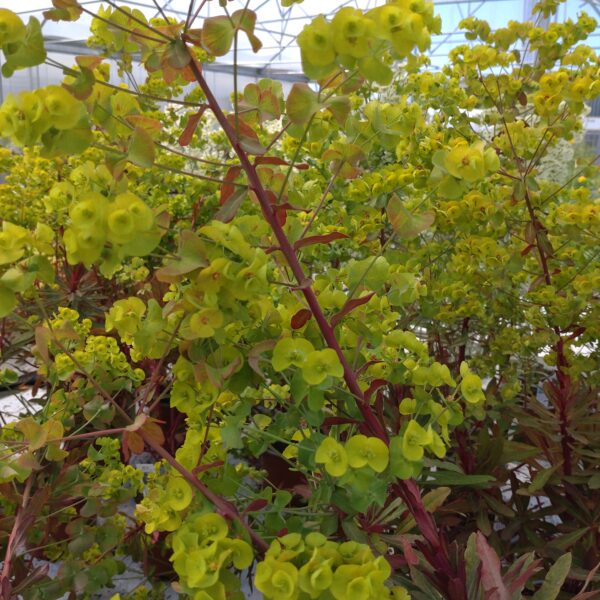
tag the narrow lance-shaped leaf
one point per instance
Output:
(554, 579)
(491, 575)
(190, 127)
(229, 209)
(349, 307)
(326, 238)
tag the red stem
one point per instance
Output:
(288, 251)
(225, 507)
(564, 380)
(408, 490)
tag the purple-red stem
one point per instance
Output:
(408, 490)
(564, 381)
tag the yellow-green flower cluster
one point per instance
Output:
(100, 353)
(358, 452)
(316, 365)
(168, 495)
(354, 39)
(312, 567)
(202, 554)
(124, 222)
(25, 118)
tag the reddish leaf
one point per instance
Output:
(527, 249)
(248, 138)
(516, 585)
(349, 307)
(154, 431)
(375, 385)
(231, 206)
(491, 576)
(256, 505)
(301, 318)
(279, 210)
(132, 443)
(326, 238)
(275, 160)
(228, 188)
(410, 555)
(190, 127)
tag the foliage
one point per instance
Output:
(355, 327)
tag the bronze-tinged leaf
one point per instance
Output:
(217, 35)
(42, 342)
(301, 318)
(349, 307)
(255, 353)
(230, 207)
(177, 55)
(132, 442)
(275, 160)
(301, 104)
(138, 422)
(153, 431)
(191, 255)
(247, 137)
(64, 10)
(141, 151)
(405, 223)
(256, 505)
(491, 574)
(325, 238)
(227, 187)
(190, 127)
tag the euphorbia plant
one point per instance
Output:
(293, 304)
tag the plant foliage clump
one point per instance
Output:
(352, 327)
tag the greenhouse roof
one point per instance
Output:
(278, 27)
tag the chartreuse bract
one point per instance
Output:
(350, 324)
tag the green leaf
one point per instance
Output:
(68, 141)
(177, 54)
(27, 53)
(8, 301)
(565, 541)
(301, 103)
(472, 565)
(554, 579)
(245, 20)
(449, 478)
(64, 10)
(190, 256)
(406, 224)
(217, 35)
(141, 150)
(542, 478)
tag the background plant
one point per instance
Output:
(355, 326)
